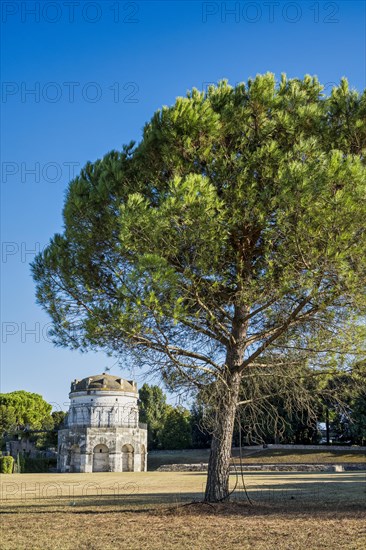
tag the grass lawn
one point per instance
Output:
(260, 456)
(150, 510)
(190, 456)
(287, 456)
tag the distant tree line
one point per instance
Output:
(168, 427)
(285, 416)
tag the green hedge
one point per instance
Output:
(6, 464)
(35, 465)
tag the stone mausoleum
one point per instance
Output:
(102, 432)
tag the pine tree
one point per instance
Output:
(231, 238)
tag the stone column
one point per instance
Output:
(86, 463)
(137, 462)
(115, 462)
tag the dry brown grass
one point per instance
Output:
(127, 530)
(148, 510)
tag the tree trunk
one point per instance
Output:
(217, 487)
(327, 425)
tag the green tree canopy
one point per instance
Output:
(232, 237)
(51, 437)
(58, 419)
(153, 411)
(176, 433)
(357, 425)
(21, 410)
(167, 427)
(343, 399)
(201, 435)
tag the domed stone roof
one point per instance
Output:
(104, 382)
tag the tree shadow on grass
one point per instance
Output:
(268, 492)
(263, 500)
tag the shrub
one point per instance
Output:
(37, 465)
(6, 464)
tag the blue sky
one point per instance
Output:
(98, 71)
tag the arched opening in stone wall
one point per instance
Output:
(75, 458)
(101, 458)
(127, 458)
(143, 458)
